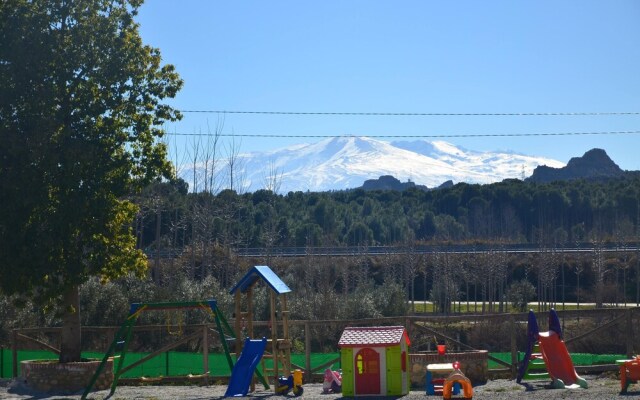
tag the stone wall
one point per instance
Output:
(51, 376)
(474, 364)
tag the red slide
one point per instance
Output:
(558, 361)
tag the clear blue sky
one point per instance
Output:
(408, 57)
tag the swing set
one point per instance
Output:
(122, 339)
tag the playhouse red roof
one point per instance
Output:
(379, 336)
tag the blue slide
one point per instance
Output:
(245, 366)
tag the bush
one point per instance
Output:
(520, 293)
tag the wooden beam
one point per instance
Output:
(39, 343)
(158, 352)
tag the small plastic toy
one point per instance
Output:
(436, 376)
(457, 378)
(629, 373)
(293, 382)
(555, 355)
(332, 382)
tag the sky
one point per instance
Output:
(405, 57)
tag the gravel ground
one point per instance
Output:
(600, 387)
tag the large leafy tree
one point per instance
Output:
(81, 110)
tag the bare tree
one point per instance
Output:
(234, 165)
(501, 272)
(444, 290)
(193, 154)
(210, 154)
(560, 237)
(411, 261)
(599, 269)
(272, 178)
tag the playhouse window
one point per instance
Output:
(366, 366)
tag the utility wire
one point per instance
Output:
(480, 135)
(408, 114)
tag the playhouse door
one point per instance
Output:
(367, 372)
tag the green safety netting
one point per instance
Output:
(166, 364)
(182, 364)
(577, 358)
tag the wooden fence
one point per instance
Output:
(610, 331)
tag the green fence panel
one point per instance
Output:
(7, 359)
(5, 363)
(218, 365)
(594, 359)
(505, 356)
(182, 364)
(581, 359)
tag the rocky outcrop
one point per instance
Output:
(595, 164)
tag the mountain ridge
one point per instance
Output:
(347, 162)
(594, 164)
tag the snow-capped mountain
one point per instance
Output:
(346, 162)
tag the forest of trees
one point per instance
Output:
(512, 211)
(202, 228)
(192, 241)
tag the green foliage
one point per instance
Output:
(558, 214)
(81, 109)
(520, 293)
(76, 139)
(391, 300)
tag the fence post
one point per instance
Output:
(205, 353)
(629, 334)
(307, 350)
(514, 347)
(166, 365)
(14, 355)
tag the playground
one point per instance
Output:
(399, 357)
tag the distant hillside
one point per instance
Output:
(388, 182)
(595, 164)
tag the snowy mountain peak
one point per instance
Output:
(347, 162)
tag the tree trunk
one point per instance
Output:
(70, 343)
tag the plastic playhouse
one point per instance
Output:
(552, 351)
(374, 361)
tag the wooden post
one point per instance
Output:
(286, 342)
(307, 349)
(205, 354)
(629, 334)
(111, 335)
(249, 319)
(14, 353)
(274, 339)
(238, 323)
(514, 347)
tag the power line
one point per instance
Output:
(480, 135)
(409, 114)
